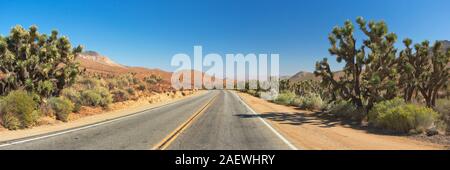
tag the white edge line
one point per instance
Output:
(267, 124)
(87, 126)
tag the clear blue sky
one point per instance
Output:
(148, 33)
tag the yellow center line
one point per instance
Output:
(174, 134)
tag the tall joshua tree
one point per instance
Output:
(425, 71)
(369, 76)
(380, 74)
(343, 46)
(39, 63)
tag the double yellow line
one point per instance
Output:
(174, 134)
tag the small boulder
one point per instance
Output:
(432, 132)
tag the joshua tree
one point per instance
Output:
(39, 63)
(425, 70)
(369, 76)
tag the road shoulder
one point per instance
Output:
(309, 132)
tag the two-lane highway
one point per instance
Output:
(228, 124)
(222, 122)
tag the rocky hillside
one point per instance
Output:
(303, 75)
(96, 57)
(95, 63)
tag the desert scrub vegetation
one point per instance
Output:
(33, 68)
(395, 89)
(153, 79)
(120, 95)
(39, 74)
(311, 101)
(39, 63)
(61, 107)
(345, 109)
(99, 96)
(74, 96)
(18, 110)
(285, 98)
(375, 72)
(443, 108)
(398, 116)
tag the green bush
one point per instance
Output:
(90, 98)
(310, 102)
(18, 110)
(90, 83)
(443, 108)
(298, 101)
(74, 96)
(122, 83)
(120, 95)
(112, 84)
(71, 94)
(395, 115)
(347, 110)
(253, 93)
(131, 91)
(62, 107)
(383, 107)
(96, 97)
(285, 98)
(153, 79)
(11, 121)
(141, 87)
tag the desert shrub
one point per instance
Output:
(347, 110)
(18, 110)
(90, 98)
(96, 97)
(106, 97)
(122, 83)
(112, 84)
(135, 80)
(285, 98)
(74, 96)
(253, 92)
(141, 87)
(383, 107)
(443, 108)
(90, 82)
(397, 116)
(62, 107)
(297, 101)
(120, 95)
(153, 79)
(11, 121)
(71, 94)
(310, 101)
(150, 81)
(131, 91)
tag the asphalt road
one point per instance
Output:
(225, 124)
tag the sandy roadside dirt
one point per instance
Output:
(306, 131)
(78, 121)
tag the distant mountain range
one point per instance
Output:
(96, 63)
